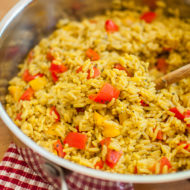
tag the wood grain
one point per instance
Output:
(173, 77)
(6, 137)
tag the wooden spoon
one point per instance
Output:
(173, 77)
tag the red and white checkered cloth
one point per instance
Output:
(15, 174)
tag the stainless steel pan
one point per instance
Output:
(26, 23)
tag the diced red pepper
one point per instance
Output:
(148, 16)
(182, 142)
(187, 145)
(164, 161)
(54, 77)
(106, 94)
(39, 75)
(53, 109)
(143, 103)
(110, 26)
(99, 164)
(79, 70)
(186, 115)
(92, 96)
(55, 69)
(135, 170)
(59, 148)
(159, 135)
(28, 77)
(162, 65)
(58, 68)
(153, 168)
(105, 141)
(93, 55)
(18, 116)
(49, 56)
(178, 115)
(96, 73)
(76, 140)
(120, 67)
(27, 95)
(113, 157)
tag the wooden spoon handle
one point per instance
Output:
(173, 77)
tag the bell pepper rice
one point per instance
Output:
(87, 94)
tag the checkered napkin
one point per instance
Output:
(15, 174)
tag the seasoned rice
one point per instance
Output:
(140, 112)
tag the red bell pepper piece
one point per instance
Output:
(18, 116)
(110, 26)
(76, 140)
(153, 168)
(99, 164)
(105, 141)
(54, 77)
(186, 115)
(59, 148)
(27, 95)
(58, 68)
(187, 145)
(143, 103)
(28, 77)
(135, 170)
(148, 16)
(120, 67)
(162, 65)
(106, 93)
(55, 69)
(159, 135)
(53, 109)
(178, 115)
(79, 69)
(113, 157)
(49, 56)
(96, 73)
(164, 161)
(93, 55)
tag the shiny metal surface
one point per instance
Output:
(20, 30)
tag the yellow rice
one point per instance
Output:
(136, 46)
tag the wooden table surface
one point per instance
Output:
(6, 137)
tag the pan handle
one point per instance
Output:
(63, 183)
(59, 173)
